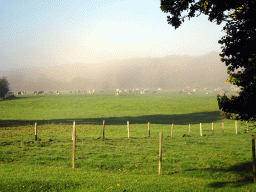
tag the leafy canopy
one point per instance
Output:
(238, 45)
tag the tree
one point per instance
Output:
(4, 87)
(238, 52)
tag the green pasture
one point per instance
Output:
(212, 162)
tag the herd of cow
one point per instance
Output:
(36, 92)
(120, 91)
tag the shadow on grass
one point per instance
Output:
(177, 119)
(243, 172)
(12, 98)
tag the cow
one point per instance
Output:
(10, 94)
(223, 92)
(146, 90)
(35, 92)
(137, 90)
(19, 93)
(40, 93)
(118, 91)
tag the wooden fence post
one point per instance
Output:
(188, 129)
(236, 126)
(74, 143)
(253, 159)
(201, 131)
(212, 129)
(103, 130)
(35, 131)
(128, 129)
(160, 153)
(148, 129)
(172, 130)
(223, 128)
(247, 128)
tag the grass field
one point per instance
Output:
(218, 162)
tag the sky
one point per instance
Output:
(54, 32)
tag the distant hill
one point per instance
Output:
(172, 72)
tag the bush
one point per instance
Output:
(4, 87)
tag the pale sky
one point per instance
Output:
(55, 32)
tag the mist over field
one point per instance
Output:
(171, 72)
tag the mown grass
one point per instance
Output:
(218, 162)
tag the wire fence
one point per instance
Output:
(111, 148)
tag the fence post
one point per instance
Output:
(212, 129)
(128, 129)
(201, 131)
(223, 128)
(236, 126)
(247, 126)
(172, 130)
(160, 153)
(74, 143)
(148, 129)
(253, 158)
(103, 130)
(35, 131)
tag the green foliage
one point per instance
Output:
(4, 87)
(238, 44)
(239, 56)
(240, 107)
(182, 9)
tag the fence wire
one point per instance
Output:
(115, 151)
